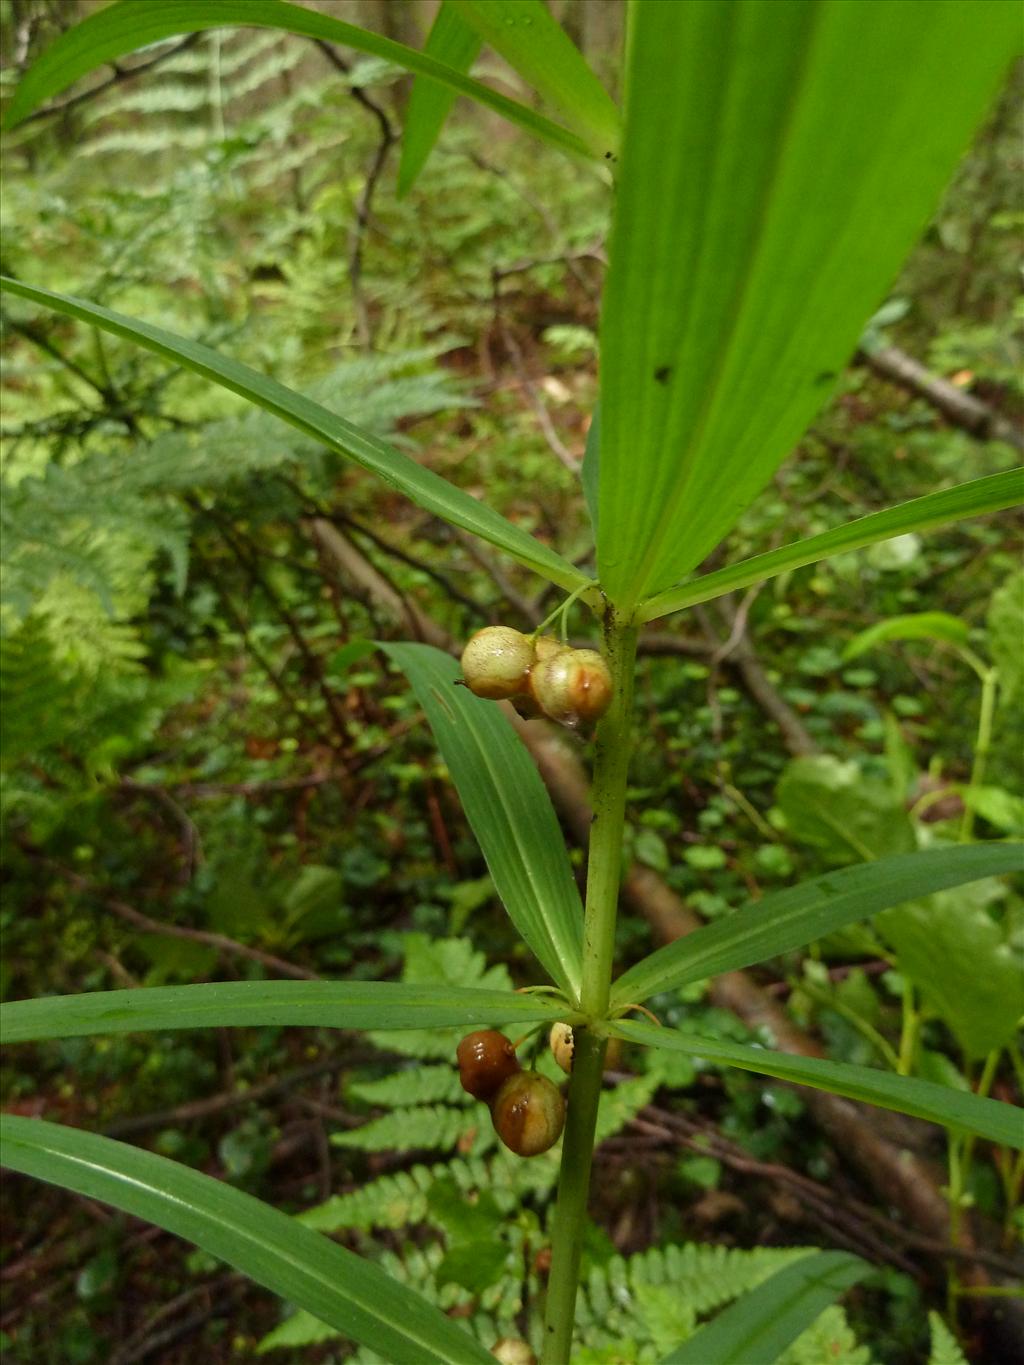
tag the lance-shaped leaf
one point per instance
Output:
(779, 159)
(974, 499)
(790, 919)
(508, 808)
(127, 26)
(453, 42)
(938, 626)
(962, 1110)
(302, 1266)
(758, 1327)
(543, 54)
(248, 1004)
(399, 471)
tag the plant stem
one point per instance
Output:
(982, 745)
(604, 871)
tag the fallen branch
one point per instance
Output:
(963, 410)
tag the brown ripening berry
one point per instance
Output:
(486, 1059)
(572, 686)
(528, 1113)
(496, 662)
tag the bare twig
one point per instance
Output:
(360, 222)
(121, 73)
(138, 920)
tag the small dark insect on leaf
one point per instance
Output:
(662, 373)
(825, 377)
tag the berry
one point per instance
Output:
(528, 1113)
(572, 686)
(486, 1059)
(496, 662)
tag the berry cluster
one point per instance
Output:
(540, 674)
(527, 1110)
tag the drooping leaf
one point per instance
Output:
(974, 499)
(758, 1327)
(246, 1004)
(1005, 623)
(275, 1250)
(399, 471)
(127, 26)
(452, 41)
(966, 966)
(939, 626)
(969, 1113)
(778, 162)
(829, 804)
(790, 919)
(543, 54)
(509, 809)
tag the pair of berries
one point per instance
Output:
(527, 1110)
(571, 686)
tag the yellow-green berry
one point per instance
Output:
(573, 686)
(496, 662)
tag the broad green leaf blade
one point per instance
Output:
(127, 26)
(453, 42)
(917, 625)
(249, 1004)
(399, 471)
(508, 808)
(779, 160)
(968, 966)
(802, 914)
(966, 1112)
(975, 499)
(275, 1250)
(543, 54)
(758, 1327)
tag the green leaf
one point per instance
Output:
(508, 808)
(353, 1295)
(831, 805)
(778, 163)
(974, 499)
(399, 471)
(244, 1004)
(543, 54)
(758, 1327)
(964, 963)
(917, 625)
(1005, 623)
(1002, 1123)
(453, 42)
(127, 26)
(789, 919)
(945, 1348)
(1003, 809)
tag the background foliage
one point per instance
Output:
(200, 782)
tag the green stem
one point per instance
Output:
(604, 870)
(983, 743)
(909, 1031)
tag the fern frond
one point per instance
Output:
(945, 1347)
(429, 1126)
(829, 1339)
(419, 1085)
